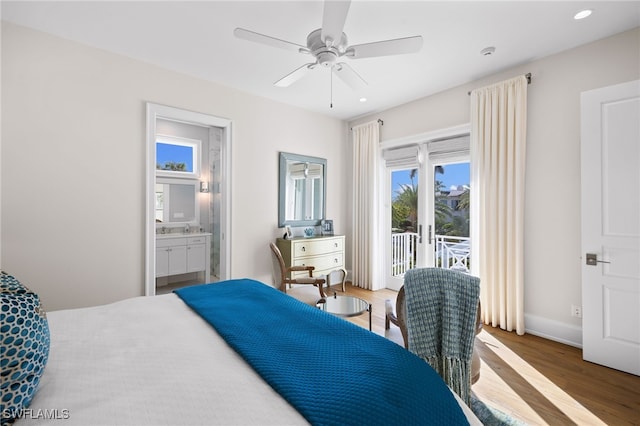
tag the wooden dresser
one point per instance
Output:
(326, 254)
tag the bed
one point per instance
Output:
(156, 361)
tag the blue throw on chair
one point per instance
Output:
(441, 320)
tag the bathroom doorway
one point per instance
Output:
(201, 145)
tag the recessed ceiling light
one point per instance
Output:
(583, 14)
(488, 51)
(363, 99)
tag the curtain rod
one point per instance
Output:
(380, 122)
(527, 76)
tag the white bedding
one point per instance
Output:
(150, 361)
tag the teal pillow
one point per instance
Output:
(24, 346)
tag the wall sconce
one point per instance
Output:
(204, 186)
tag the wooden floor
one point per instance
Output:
(535, 380)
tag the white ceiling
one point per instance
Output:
(196, 38)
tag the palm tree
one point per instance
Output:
(463, 203)
(441, 210)
(173, 166)
(406, 202)
(405, 205)
(404, 209)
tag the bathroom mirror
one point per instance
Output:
(176, 202)
(302, 190)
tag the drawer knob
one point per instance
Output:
(303, 248)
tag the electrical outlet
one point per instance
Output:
(576, 311)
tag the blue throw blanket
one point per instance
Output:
(332, 371)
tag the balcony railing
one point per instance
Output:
(403, 252)
(450, 252)
(453, 252)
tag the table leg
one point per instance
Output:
(370, 309)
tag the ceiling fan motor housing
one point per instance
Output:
(326, 53)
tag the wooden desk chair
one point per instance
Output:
(283, 283)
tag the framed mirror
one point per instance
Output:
(176, 202)
(302, 190)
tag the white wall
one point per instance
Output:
(73, 166)
(552, 218)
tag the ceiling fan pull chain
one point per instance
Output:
(331, 87)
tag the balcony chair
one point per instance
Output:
(290, 286)
(448, 297)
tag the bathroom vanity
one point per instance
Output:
(178, 253)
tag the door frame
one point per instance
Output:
(420, 139)
(155, 111)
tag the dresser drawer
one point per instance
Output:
(335, 260)
(317, 247)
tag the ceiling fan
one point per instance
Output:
(328, 45)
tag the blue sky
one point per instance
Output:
(454, 174)
(179, 153)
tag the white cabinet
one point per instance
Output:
(182, 254)
(326, 254)
(196, 254)
(162, 262)
(177, 260)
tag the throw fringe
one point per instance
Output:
(455, 372)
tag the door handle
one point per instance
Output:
(419, 234)
(592, 259)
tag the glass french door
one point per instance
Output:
(406, 204)
(449, 206)
(427, 216)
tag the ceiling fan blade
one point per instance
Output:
(397, 46)
(349, 76)
(333, 19)
(294, 76)
(270, 41)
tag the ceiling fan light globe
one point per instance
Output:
(327, 59)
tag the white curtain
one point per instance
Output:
(367, 243)
(498, 139)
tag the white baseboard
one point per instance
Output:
(557, 331)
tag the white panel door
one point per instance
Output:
(610, 150)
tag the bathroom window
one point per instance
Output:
(177, 157)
